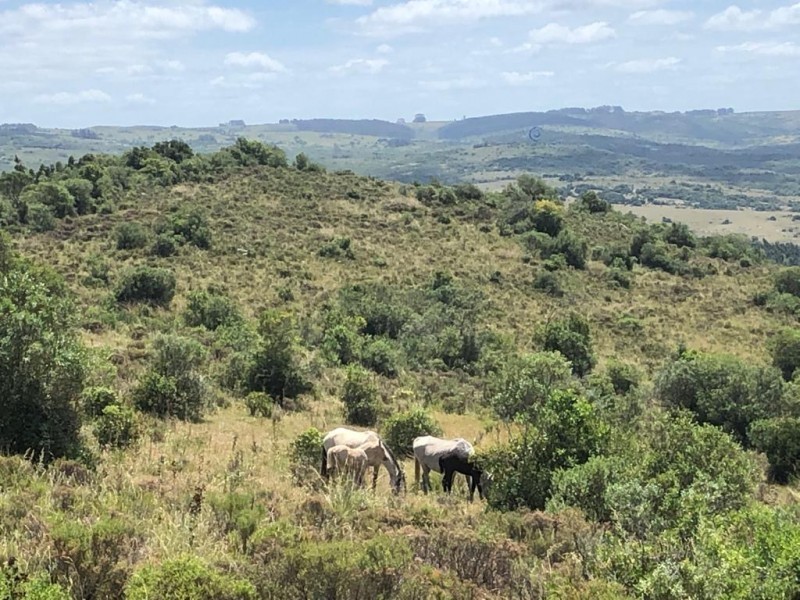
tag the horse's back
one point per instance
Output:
(348, 437)
(428, 450)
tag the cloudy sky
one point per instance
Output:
(192, 63)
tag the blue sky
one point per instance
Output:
(194, 63)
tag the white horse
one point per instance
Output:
(348, 461)
(446, 457)
(377, 453)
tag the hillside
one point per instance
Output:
(734, 153)
(295, 288)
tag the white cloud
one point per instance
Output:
(734, 18)
(413, 15)
(660, 17)
(370, 66)
(554, 33)
(139, 98)
(786, 15)
(648, 65)
(763, 48)
(384, 49)
(446, 85)
(254, 60)
(516, 78)
(66, 98)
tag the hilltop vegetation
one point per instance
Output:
(178, 328)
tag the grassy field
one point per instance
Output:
(225, 489)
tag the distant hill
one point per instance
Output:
(372, 127)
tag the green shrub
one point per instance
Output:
(147, 284)
(259, 403)
(624, 377)
(656, 256)
(547, 217)
(721, 390)
(131, 236)
(562, 431)
(360, 397)
(381, 356)
(305, 454)
(549, 283)
(341, 341)
(785, 348)
(572, 338)
(276, 368)
(42, 363)
(165, 245)
(584, 486)
(592, 203)
(40, 217)
(779, 439)
(787, 281)
(523, 384)
(191, 225)
(400, 429)
(95, 399)
(186, 578)
(338, 248)
(15, 585)
(680, 235)
(173, 385)
(93, 559)
(117, 427)
(210, 309)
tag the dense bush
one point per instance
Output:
(305, 454)
(779, 439)
(95, 399)
(400, 429)
(147, 284)
(624, 377)
(42, 363)
(360, 397)
(787, 281)
(561, 432)
(117, 427)
(173, 385)
(785, 347)
(259, 403)
(186, 578)
(211, 309)
(680, 235)
(276, 368)
(190, 225)
(572, 338)
(549, 283)
(523, 384)
(381, 356)
(721, 390)
(592, 203)
(131, 236)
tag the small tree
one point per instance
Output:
(572, 338)
(400, 429)
(360, 397)
(592, 203)
(787, 281)
(41, 361)
(275, 368)
(786, 352)
(146, 284)
(779, 439)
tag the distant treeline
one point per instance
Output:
(783, 253)
(373, 127)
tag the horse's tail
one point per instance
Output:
(324, 468)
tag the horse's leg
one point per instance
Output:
(375, 478)
(324, 468)
(416, 473)
(426, 479)
(473, 483)
(447, 480)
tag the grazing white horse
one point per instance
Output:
(349, 461)
(377, 453)
(446, 457)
